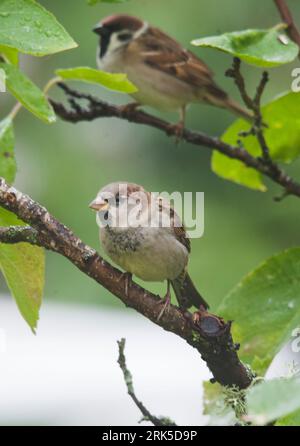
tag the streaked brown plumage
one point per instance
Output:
(168, 76)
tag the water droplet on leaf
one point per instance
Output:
(283, 39)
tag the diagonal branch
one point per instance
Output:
(287, 17)
(97, 108)
(209, 334)
(147, 416)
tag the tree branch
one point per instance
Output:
(287, 17)
(147, 416)
(209, 334)
(97, 108)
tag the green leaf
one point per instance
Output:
(270, 400)
(10, 54)
(28, 27)
(267, 48)
(23, 267)
(290, 420)
(282, 136)
(8, 165)
(94, 2)
(265, 308)
(28, 93)
(236, 171)
(116, 82)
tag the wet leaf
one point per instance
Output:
(23, 267)
(266, 48)
(265, 308)
(270, 400)
(28, 27)
(30, 96)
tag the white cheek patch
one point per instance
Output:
(107, 61)
(114, 43)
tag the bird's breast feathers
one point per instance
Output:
(152, 254)
(157, 87)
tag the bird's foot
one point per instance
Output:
(166, 301)
(130, 108)
(176, 130)
(128, 281)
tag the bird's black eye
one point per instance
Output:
(124, 36)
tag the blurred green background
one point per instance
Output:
(64, 165)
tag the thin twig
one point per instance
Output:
(209, 334)
(235, 73)
(147, 416)
(97, 108)
(260, 89)
(255, 106)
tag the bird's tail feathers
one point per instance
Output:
(187, 294)
(216, 96)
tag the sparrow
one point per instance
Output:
(143, 235)
(168, 77)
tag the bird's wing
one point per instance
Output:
(176, 223)
(181, 236)
(163, 53)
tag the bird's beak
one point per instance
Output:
(98, 29)
(99, 205)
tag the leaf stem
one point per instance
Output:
(55, 80)
(15, 110)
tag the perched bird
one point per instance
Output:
(168, 76)
(142, 234)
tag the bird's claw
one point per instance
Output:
(176, 130)
(166, 301)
